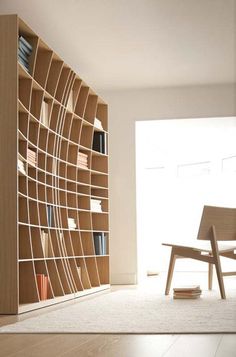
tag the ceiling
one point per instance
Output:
(119, 44)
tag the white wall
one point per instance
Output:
(125, 107)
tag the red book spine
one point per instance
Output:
(40, 282)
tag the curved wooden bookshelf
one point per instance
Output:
(54, 211)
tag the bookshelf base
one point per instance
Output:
(49, 302)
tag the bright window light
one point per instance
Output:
(181, 165)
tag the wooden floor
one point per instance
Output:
(104, 345)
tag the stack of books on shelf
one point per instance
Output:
(42, 281)
(21, 166)
(98, 124)
(47, 249)
(71, 223)
(82, 160)
(96, 205)
(99, 142)
(187, 292)
(100, 243)
(31, 157)
(50, 216)
(24, 52)
(44, 113)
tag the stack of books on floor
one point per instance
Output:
(98, 124)
(24, 52)
(82, 160)
(42, 281)
(187, 292)
(71, 223)
(100, 243)
(99, 142)
(44, 113)
(21, 166)
(31, 157)
(96, 205)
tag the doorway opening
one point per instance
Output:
(181, 165)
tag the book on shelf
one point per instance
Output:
(62, 244)
(99, 142)
(187, 292)
(71, 223)
(24, 52)
(42, 282)
(44, 117)
(100, 243)
(70, 104)
(50, 216)
(82, 160)
(47, 248)
(98, 123)
(21, 166)
(31, 157)
(96, 205)
(79, 271)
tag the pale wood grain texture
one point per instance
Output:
(8, 165)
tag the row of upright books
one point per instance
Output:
(47, 248)
(24, 52)
(50, 216)
(99, 142)
(187, 292)
(42, 282)
(100, 243)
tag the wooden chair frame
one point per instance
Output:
(217, 223)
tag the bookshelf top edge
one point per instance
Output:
(25, 29)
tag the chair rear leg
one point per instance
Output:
(170, 271)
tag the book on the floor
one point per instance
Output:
(187, 292)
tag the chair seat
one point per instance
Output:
(204, 246)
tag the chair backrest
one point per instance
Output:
(224, 220)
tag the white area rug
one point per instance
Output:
(136, 311)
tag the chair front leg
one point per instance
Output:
(170, 271)
(216, 256)
(210, 275)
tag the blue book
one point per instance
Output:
(24, 64)
(23, 55)
(25, 45)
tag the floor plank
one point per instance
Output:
(53, 345)
(227, 347)
(125, 346)
(194, 346)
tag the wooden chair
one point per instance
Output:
(217, 224)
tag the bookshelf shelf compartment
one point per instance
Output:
(49, 117)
